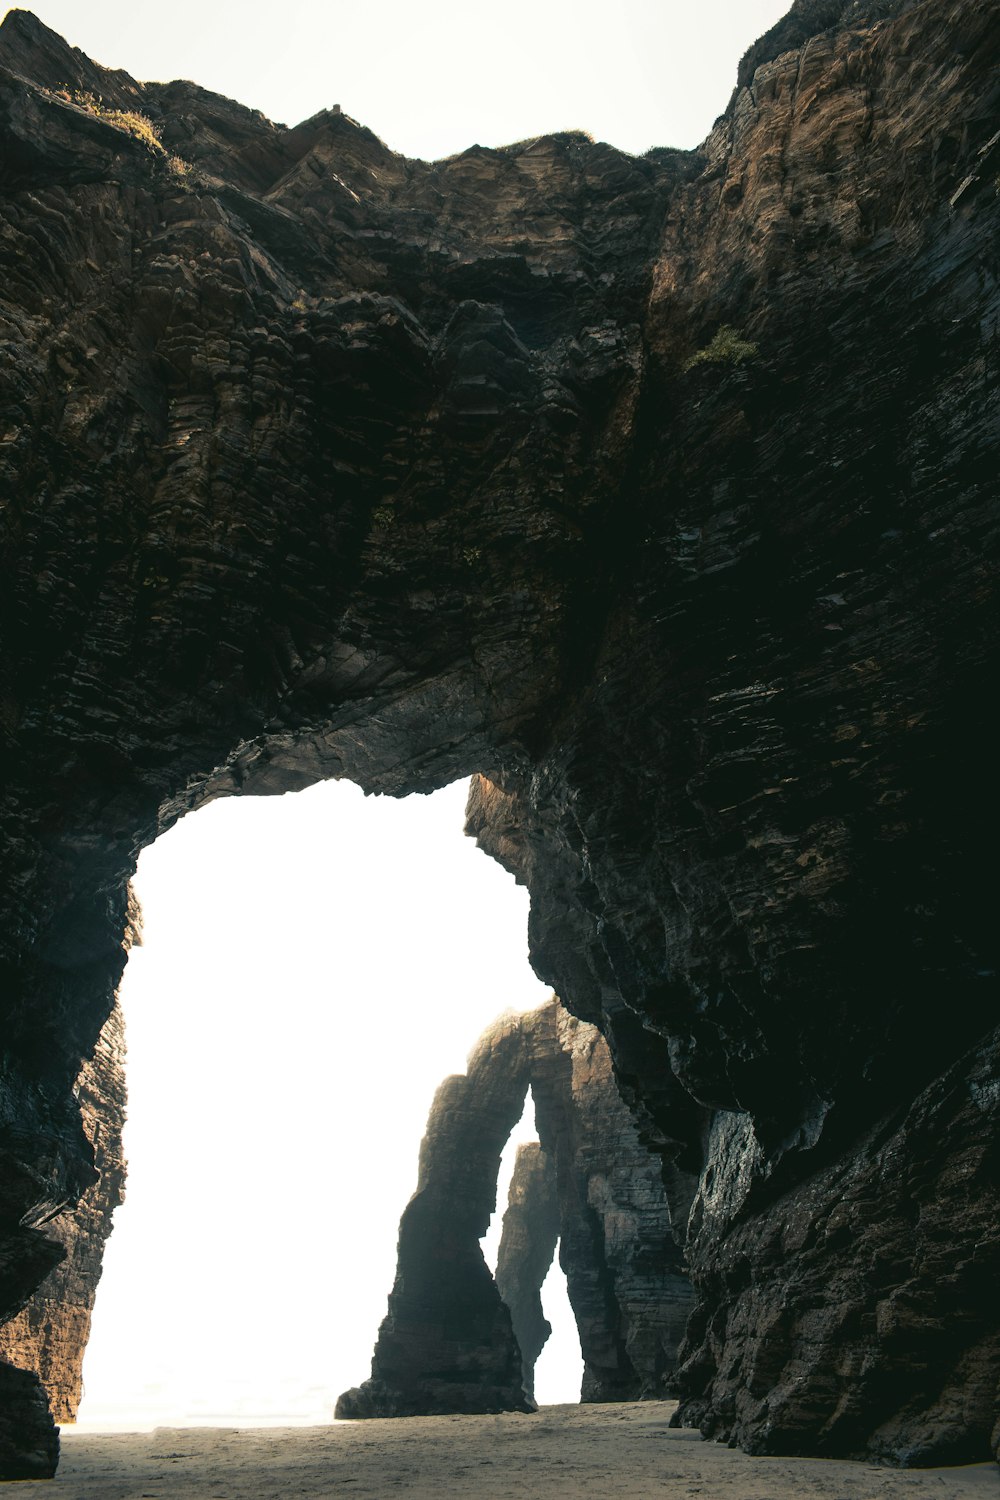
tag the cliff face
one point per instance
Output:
(618, 1244)
(316, 461)
(49, 1335)
(855, 1312)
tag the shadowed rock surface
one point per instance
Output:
(620, 1245)
(49, 1336)
(29, 1439)
(316, 461)
(446, 1343)
(447, 1332)
(527, 1246)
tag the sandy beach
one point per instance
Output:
(626, 1452)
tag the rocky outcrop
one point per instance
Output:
(29, 1439)
(527, 1246)
(448, 1341)
(659, 493)
(854, 1274)
(49, 1335)
(620, 1247)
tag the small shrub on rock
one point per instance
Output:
(726, 348)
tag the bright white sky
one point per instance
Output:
(435, 77)
(315, 965)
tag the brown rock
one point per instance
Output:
(851, 1275)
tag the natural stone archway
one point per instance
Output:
(446, 1343)
(315, 461)
(452, 1336)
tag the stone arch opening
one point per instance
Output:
(372, 986)
(456, 1339)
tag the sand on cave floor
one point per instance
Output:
(616, 1452)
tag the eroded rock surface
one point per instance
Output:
(315, 461)
(29, 1439)
(854, 1276)
(620, 1246)
(49, 1335)
(527, 1246)
(450, 1338)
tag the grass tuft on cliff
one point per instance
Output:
(728, 347)
(132, 123)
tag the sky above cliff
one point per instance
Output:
(434, 78)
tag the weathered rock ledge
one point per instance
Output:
(315, 461)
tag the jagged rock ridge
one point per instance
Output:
(454, 1339)
(315, 461)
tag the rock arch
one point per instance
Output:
(319, 462)
(451, 1339)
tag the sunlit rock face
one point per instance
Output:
(453, 1340)
(315, 461)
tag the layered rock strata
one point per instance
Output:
(619, 1245)
(527, 1246)
(661, 493)
(451, 1335)
(49, 1335)
(853, 1276)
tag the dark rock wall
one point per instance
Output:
(29, 1439)
(49, 1335)
(780, 828)
(527, 1246)
(855, 1277)
(616, 1190)
(315, 461)
(447, 1342)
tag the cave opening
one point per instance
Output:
(313, 965)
